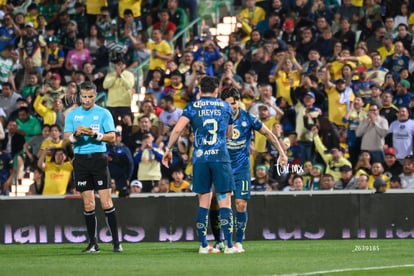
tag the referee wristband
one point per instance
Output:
(99, 136)
(72, 138)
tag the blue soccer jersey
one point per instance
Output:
(239, 145)
(210, 118)
(97, 118)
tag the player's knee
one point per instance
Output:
(241, 205)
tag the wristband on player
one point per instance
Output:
(98, 136)
(72, 138)
(167, 149)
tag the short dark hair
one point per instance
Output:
(168, 98)
(209, 84)
(128, 12)
(230, 92)
(88, 85)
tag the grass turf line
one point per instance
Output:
(181, 258)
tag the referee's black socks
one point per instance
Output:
(112, 223)
(91, 225)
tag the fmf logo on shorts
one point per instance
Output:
(81, 183)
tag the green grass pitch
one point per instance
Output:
(322, 257)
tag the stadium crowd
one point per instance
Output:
(333, 81)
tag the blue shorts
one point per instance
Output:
(242, 181)
(204, 174)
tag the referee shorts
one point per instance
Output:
(90, 172)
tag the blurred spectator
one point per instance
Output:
(163, 186)
(402, 96)
(7, 65)
(32, 45)
(251, 15)
(377, 172)
(120, 163)
(148, 158)
(340, 98)
(5, 171)
(307, 118)
(28, 125)
(161, 52)
(362, 182)
(77, 57)
(13, 141)
(135, 186)
(355, 115)
(397, 60)
(106, 26)
(333, 158)
(313, 184)
(9, 31)
(168, 118)
(402, 134)
(377, 72)
(32, 147)
(166, 27)
(327, 182)
(56, 183)
(91, 40)
(388, 110)
(81, 19)
(380, 186)
(373, 130)
(52, 142)
(51, 115)
(295, 184)
(347, 180)
(176, 90)
(364, 162)
(392, 167)
(128, 27)
(407, 176)
(178, 184)
(36, 188)
(262, 181)
(395, 182)
(119, 84)
(207, 52)
(404, 36)
(8, 99)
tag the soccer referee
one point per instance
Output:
(89, 127)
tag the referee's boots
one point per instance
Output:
(117, 248)
(92, 248)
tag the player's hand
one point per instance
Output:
(166, 159)
(282, 160)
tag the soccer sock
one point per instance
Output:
(202, 223)
(241, 222)
(110, 217)
(226, 221)
(90, 220)
(215, 224)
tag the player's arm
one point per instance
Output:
(230, 132)
(175, 134)
(275, 142)
(41, 162)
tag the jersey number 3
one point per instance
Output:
(212, 130)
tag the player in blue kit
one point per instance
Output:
(89, 127)
(212, 121)
(239, 149)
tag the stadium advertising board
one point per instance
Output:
(171, 218)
